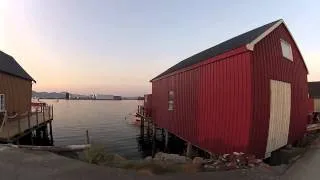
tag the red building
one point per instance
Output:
(147, 104)
(247, 94)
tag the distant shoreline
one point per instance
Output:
(91, 99)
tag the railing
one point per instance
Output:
(25, 121)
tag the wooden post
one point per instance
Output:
(166, 140)
(31, 137)
(51, 136)
(52, 112)
(142, 127)
(49, 109)
(29, 125)
(189, 150)
(154, 140)
(37, 118)
(43, 116)
(87, 137)
(148, 127)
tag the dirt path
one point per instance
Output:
(307, 167)
(21, 164)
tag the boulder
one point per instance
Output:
(198, 160)
(174, 158)
(148, 158)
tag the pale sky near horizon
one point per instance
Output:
(116, 47)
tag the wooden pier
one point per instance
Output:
(30, 124)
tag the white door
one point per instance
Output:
(280, 109)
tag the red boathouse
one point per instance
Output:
(247, 94)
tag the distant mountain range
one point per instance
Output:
(62, 95)
(49, 95)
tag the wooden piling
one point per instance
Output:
(142, 127)
(52, 112)
(49, 111)
(87, 137)
(37, 118)
(166, 140)
(51, 136)
(154, 140)
(189, 150)
(31, 137)
(43, 115)
(148, 127)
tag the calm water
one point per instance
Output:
(105, 120)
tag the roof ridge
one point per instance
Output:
(235, 42)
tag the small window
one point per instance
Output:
(2, 102)
(171, 101)
(286, 50)
(146, 99)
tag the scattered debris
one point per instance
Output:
(232, 161)
(222, 162)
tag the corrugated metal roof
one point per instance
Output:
(314, 89)
(221, 48)
(10, 66)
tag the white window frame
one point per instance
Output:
(171, 100)
(2, 102)
(286, 50)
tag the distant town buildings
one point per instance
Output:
(68, 95)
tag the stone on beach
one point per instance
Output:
(174, 158)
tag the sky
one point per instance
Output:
(116, 47)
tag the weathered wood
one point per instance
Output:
(166, 141)
(142, 127)
(31, 137)
(154, 140)
(37, 118)
(43, 116)
(27, 123)
(87, 137)
(67, 148)
(51, 136)
(49, 111)
(189, 150)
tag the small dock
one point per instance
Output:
(32, 124)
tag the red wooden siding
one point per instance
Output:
(212, 103)
(268, 63)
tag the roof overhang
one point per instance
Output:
(251, 45)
